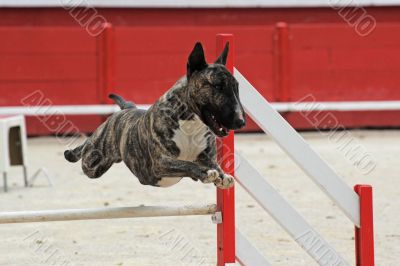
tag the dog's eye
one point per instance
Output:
(218, 87)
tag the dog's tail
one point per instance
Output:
(121, 102)
(74, 155)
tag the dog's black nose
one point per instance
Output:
(239, 123)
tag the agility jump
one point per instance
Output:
(104, 213)
(232, 246)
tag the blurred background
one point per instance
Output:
(334, 50)
(300, 55)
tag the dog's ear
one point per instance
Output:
(223, 56)
(196, 60)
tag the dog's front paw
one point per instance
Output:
(212, 176)
(226, 182)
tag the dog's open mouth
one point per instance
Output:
(212, 122)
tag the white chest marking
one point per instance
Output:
(191, 140)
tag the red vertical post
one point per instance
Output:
(364, 235)
(226, 158)
(282, 62)
(106, 62)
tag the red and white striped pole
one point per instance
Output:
(226, 158)
(364, 235)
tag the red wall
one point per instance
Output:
(47, 50)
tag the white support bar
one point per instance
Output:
(337, 106)
(105, 109)
(103, 213)
(101, 109)
(284, 214)
(294, 145)
(246, 253)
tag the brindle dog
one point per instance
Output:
(175, 137)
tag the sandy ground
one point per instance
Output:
(191, 240)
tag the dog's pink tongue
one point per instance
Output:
(223, 130)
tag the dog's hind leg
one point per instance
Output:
(97, 170)
(94, 162)
(74, 155)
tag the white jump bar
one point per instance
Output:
(294, 145)
(104, 213)
(106, 109)
(246, 253)
(284, 214)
